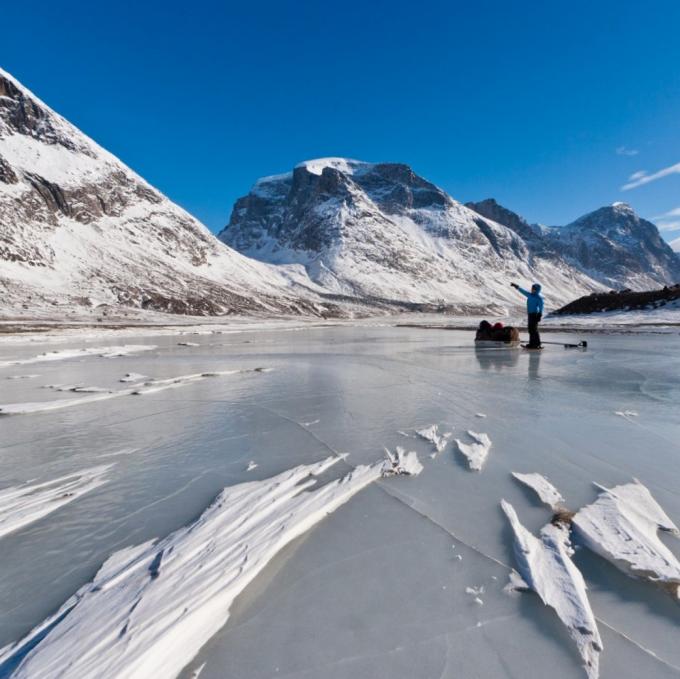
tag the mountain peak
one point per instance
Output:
(492, 209)
(79, 228)
(344, 165)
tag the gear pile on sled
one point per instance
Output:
(496, 333)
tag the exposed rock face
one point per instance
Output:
(613, 245)
(624, 300)
(79, 227)
(619, 248)
(380, 230)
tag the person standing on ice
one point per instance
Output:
(534, 312)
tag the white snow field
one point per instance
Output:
(405, 579)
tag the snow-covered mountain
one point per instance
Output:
(613, 245)
(78, 227)
(378, 230)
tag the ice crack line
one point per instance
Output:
(394, 495)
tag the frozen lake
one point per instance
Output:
(406, 579)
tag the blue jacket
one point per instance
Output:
(534, 301)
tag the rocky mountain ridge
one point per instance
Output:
(378, 229)
(79, 228)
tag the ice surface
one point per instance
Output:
(375, 590)
(150, 608)
(475, 452)
(22, 505)
(547, 568)
(621, 526)
(547, 493)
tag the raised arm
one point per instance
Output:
(526, 293)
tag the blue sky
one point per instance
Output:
(548, 107)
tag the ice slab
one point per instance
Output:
(150, 387)
(621, 526)
(477, 451)
(547, 493)
(77, 388)
(402, 462)
(431, 434)
(64, 354)
(626, 414)
(546, 567)
(22, 505)
(133, 377)
(151, 607)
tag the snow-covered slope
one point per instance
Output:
(79, 227)
(613, 245)
(381, 231)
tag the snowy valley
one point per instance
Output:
(83, 236)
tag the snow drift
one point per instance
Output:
(151, 607)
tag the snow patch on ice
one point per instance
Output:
(547, 568)
(150, 608)
(21, 377)
(477, 451)
(547, 493)
(621, 526)
(22, 505)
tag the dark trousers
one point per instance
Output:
(534, 337)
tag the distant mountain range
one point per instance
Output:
(79, 229)
(380, 230)
(612, 245)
